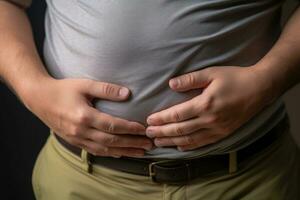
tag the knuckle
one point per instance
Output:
(179, 130)
(75, 130)
(214, 119)
(189, 139)
(190, 78)
(109, 140)
(175, 116)
(109, 127)
(82, 116)
(205, 106)
(108, 89)
(207, 103)
(112, 140)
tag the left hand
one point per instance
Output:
(231, 96)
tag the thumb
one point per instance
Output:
(192, 80)
(107, 91)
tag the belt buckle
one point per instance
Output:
(151, 171)
(151, 168)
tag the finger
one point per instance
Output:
(208, 140)
(193, 80)
(110, 124)
(201, 137)
(109, 140)
(107, 91)
(177, 113)
(75, 141)
(100, 150)
(177, 129)
(202, 141)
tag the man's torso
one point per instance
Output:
(142, 44)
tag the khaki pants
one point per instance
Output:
(273, 174)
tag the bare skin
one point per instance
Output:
(64, 105)
(231, 95)
(227, 101)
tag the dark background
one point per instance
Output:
(23, 134)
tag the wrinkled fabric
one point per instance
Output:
(142, 44)
(272, 174)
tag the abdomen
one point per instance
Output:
(142, 44)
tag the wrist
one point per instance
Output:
(31, 87)
(271, 82)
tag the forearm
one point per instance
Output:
(281, 66)
(20, 65)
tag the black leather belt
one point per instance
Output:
(184, 170)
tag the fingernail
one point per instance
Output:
(123, 92)
(150, 132)
(149, 120)
(174, 83)
(158, 143)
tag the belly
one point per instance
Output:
(142, 44)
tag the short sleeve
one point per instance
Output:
(21, 3)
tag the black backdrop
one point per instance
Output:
(22, 134)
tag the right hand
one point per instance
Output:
(64, 105)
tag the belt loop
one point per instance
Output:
(233, 162)
(85, 157)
